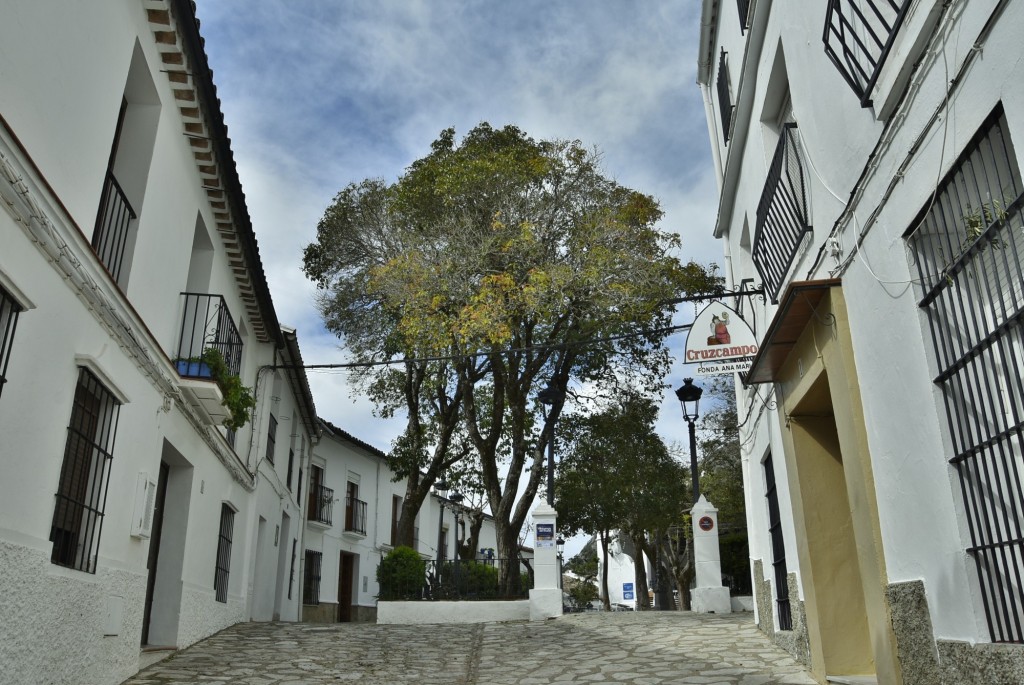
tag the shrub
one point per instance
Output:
(401, 574)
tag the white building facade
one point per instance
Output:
(869, 159)
(354, 502)
(129, 515)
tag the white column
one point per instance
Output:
(710, 596)
(546, 595)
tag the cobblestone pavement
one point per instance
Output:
(649, 648)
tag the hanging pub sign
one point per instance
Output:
(720, 341)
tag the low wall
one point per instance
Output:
(452, 612)
(742, 603)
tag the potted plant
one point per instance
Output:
(238, 398)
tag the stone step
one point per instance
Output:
(852, 679)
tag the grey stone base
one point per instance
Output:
(325, 612)
(962, 663)
(925, 660)
(364, 614)
(795, 641)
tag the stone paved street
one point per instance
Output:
(637, 648)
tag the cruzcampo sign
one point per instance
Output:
(720, 341)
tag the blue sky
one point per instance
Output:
(321, 93)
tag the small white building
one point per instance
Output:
(869, 159)
(129, 516)
(353, 504)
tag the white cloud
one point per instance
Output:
(321, 94)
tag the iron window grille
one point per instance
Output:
(744, 9)
(858, 37)
(220, 579)
(396, 513)
(291, 466)
(311, 586)
(291, 569)
(9, 310)
(968, 244)
(782, 215)
(778, 548)
(298, 490)
(725, 105)
(271, 438)
(355, 515)
(85, 475)
(206, 323)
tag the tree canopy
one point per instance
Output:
(520, 263)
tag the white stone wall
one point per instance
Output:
(923, 531)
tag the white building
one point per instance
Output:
(128, 515)
(871, 186)
(353, 507)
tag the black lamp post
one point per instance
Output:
(441, 488)
(456, 498)
(560, 545)
(689, 397)
(550, 396)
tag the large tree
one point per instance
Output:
(522, 264)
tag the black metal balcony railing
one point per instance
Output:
(782, 217)
(355, 515)
(321, 503)
(725, 105)
(114, 224)
(858, 37)
(206, 323)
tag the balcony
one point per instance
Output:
(355, 516)
(206, 328)
(858, 37)
(321, 502)
(782, 217)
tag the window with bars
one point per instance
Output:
(85, 475)
(778, 548)
(9, 310)
(291, 569)
(858, 37)
(311, 586)
(271, 438)
(396, 513)
(220, 578)
(291, 466)
(968, 246)
(744, 8)
(783, 218)
(725, 106)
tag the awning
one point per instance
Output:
(796, 309)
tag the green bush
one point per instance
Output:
(401, 575)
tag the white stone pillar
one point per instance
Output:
(546, 595)
(709, 596)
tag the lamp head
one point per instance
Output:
(689, 397)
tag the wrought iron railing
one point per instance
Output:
(114, 225)
(858, 37)
(725, 105)
(968, 247)
(321, 504)
(782, 216)
(464, 579)
(206, 324)
(355, 515)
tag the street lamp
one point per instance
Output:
(560, 545)
(441, 488)
(549, 397)
(689, 398)
(456, 499)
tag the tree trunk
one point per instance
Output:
(643, 599)
(604, 571)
